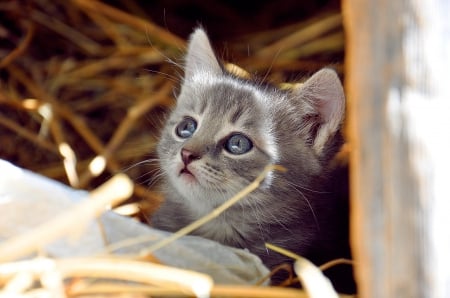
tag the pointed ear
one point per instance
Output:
(200, 56)
(324, 101)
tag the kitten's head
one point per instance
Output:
(224, 130)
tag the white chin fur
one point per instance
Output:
(193, 189)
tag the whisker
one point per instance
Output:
(298, 185)
(155, 178)
(295, 187)
(149, 173)
(271, 66)
(172, 78)
(146, 161)
(167, 58)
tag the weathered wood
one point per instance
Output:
(398, 87)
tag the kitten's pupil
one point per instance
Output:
(186, 128)
(238, 144)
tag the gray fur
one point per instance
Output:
(297, 129)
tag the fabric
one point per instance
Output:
(28, 200)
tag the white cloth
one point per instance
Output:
(28, 199)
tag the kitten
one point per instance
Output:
(224, 130)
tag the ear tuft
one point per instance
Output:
(324, 97)
(200, 56)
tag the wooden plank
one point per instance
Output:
(398, 89)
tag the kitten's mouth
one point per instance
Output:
(185, 171)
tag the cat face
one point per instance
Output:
(217, 140)
(224, 130)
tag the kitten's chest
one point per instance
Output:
(226, 229)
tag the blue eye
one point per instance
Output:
(186, 128)
(238, 144)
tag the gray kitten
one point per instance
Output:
(222, 133)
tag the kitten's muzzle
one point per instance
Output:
(188, 156)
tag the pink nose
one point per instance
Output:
(188, 156)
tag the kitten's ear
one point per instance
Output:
(200, 56)
(325, 105)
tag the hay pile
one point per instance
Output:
(84, 85)
(82, 79)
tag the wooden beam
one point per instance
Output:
(398, 89)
